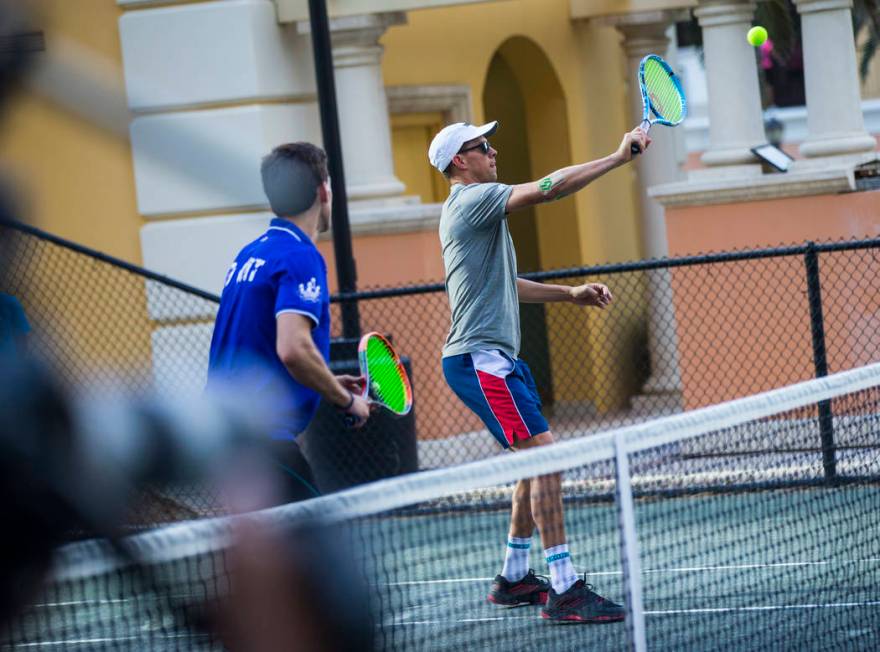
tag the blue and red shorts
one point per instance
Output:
(500, 390)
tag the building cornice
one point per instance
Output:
(587, 9)
(453, 100)
(389, 220)
(290, 11)
(806, 178)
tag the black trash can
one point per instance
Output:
(341, 457)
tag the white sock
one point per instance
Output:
(562, 573)
(516, 561)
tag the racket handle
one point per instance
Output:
(635, 149)
(349, 421)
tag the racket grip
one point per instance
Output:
(635, 149)
(348, 420)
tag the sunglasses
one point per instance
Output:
(484, 147)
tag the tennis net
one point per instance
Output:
(707, 548)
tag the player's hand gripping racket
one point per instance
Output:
(386, 381)
(662, 96)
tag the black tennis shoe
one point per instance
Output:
(581, 605)
(531, 589)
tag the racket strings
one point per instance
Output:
(387, 380)
(665, 97)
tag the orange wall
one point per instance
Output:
(723, 227)
(754, 315)
(380, 258)
(418, 323)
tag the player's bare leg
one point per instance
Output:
(545, 499)
(517, 584)
(571, 599)
(522, 525)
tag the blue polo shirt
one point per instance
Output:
(281, 271)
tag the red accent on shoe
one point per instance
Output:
(577, 619)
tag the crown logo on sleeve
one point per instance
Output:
(311, 291)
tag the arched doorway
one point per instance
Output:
(523, 93)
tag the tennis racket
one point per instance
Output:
(386, 381)
(662, 96)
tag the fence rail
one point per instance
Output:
(682, 333)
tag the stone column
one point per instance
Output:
(834, 113)
(735, 118)
(646, 33)
(363, 107)
(212, 88)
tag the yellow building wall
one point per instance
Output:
(456, 46)
(571, 76)
(75, 179)
(870, 85)
(411, 133)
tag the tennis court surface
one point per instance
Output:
(751, 525)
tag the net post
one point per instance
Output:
(820, 361)
(629, 549)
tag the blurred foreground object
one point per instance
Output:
(74, 466)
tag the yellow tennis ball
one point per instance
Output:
(756, 36)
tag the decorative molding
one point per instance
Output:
(808, 178)
(382, 220)
(409, 225)
(209, 160)
(649, 20)
(141, 3)
(147, 4)
(173, 59)
(813, 6)
(290, 11)
(587, 9)
(167, 248)
(453, 100)
(726, 12)
(355, 39)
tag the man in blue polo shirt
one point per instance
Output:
(273, 327)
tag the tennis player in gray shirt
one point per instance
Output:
(481, 356)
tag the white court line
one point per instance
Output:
(92, 641)
(74, 603)
(771, 607)
(102, 601)
(469, 580)
(780, 607)
(682, 569)
(785, 564)
(835, 605)
(666, 612)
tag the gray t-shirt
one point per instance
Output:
(480, 264)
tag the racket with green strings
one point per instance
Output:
(663, 99)
(386, 381)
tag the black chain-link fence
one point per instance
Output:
(110, 328)
(681, 333)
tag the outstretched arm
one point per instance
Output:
(589, 294)
(567, 181)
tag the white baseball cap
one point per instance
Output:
(449, 140)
